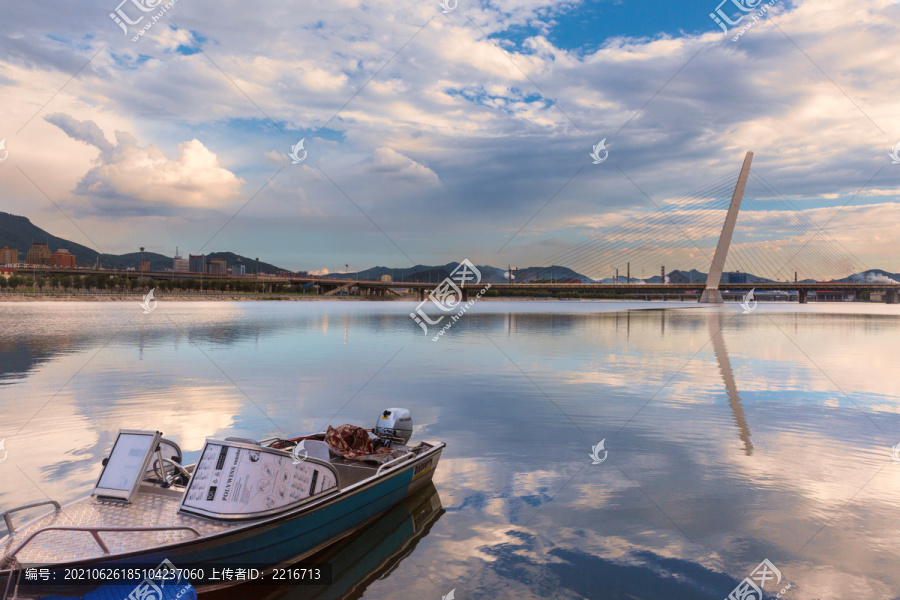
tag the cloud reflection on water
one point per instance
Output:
(749, 448)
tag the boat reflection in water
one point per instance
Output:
(357, 560)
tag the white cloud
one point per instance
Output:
(391, 162)
(132, 179)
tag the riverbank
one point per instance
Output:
(62, 297)
(214, 297)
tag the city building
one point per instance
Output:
(385, 277)
(197, 263)
(180, 265)
(62, 258)
(144, 266)
(238, 268)
(8, 256)
(217, 266)
(736, 277)
(38, 255)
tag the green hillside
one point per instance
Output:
(19, 232)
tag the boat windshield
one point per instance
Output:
(124, 469)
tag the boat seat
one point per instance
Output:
(315, 449)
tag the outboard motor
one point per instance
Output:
(395, 423)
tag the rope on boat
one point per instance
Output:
(16, 573)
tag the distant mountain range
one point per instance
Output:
(489, 274)
(695, 276)
(18, 232)
(872, 276)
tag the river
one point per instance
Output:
(727, 438)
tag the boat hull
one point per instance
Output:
(287, 538)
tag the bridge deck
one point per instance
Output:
(503, 287)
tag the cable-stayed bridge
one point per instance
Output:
(737, 223)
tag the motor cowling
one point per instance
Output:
(395, 423)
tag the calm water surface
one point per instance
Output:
(731, 438)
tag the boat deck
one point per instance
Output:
(150, 510)
(91, 528)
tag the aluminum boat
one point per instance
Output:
(269, 503)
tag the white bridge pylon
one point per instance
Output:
(712, 295)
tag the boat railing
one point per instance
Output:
(6, 515)
(95, 533)
(391, 463)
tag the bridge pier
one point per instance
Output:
(802, 296)
(710, 296)
(420, 294)
(465, 295)
(892, 297)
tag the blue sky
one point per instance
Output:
(587, 26)
(427, 143)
